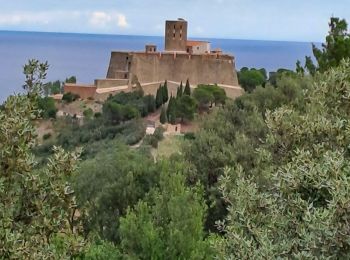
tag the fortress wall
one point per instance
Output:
(84, 91)
(199, 69)
(152, 88)
(233, 92)
(118, 62)
(110, 83)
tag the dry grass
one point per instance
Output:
(170, 145)
(43, 127)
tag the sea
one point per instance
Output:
(86, 56)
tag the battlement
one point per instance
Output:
(175, 55)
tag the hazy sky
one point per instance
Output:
(296, 20)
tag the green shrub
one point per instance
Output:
(47, 107)
(97, 114)
(151, 140)
(88, 113)
(70, 97)
(158, 133)
(190, 136)
(47, 136)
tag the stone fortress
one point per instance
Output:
(181, 59)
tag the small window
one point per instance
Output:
(174, 36)
(127, 58)
(197, 48)
(180, 36)
(174, 26)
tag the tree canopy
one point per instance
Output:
(302, 212)
(249, 79)
(37, 206)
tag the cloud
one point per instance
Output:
(37, 18)
(104, 20)
(199, 29)
(122, 21)
(25, 18)
(85, 20)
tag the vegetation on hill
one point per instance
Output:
(37, 207)
(249, 79)
(107, 189)
(267, 176)
(47, 107)
(335, 48)
(296, 205)
(56, 87)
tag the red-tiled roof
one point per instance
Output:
(195, 43)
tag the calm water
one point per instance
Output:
(87, 56)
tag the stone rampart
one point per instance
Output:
(84, 91)
(155, 67)
(110, 83)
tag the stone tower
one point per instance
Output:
(176, 35)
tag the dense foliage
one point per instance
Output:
(335, 48)
(168, 223)
(207, 95)
(265, 177)
(47, 107)
(94, 135)
(106, 190)
(303, 211)
(162, 95)
(37, 207)
(249, 79)
(126, 106)
(231, 135)
(70, 97)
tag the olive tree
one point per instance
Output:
(38, 214)
(303, 212)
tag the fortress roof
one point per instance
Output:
(195, 43)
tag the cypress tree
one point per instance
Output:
(165, 92)
(159, 97)
(170, 105)
(163, 118)
(171, 112)
(187, 90)
(172, 116)
(179, 91)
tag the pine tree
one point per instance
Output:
(187, 90)
(163, 117)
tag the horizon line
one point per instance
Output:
(142, 35)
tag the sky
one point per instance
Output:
(286, 20)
